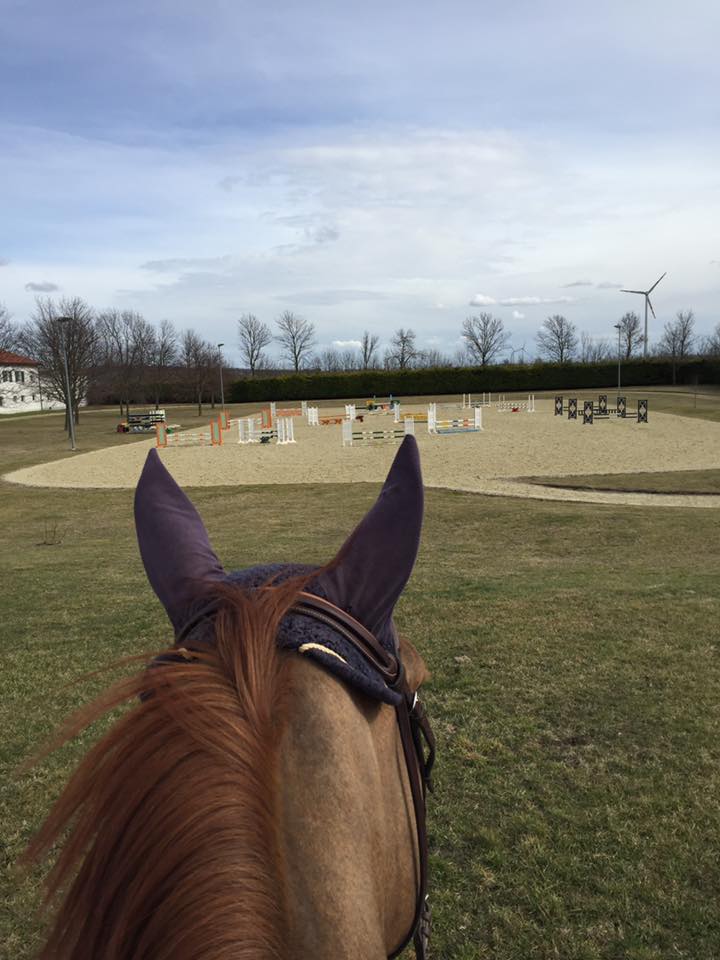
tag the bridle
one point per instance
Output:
(415, 735)
(415, 732)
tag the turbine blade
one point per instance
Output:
(656, 283)
(651, 307)
(643, 292)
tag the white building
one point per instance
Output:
(20, 386)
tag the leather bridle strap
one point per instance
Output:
(359, 636)
(413, 726)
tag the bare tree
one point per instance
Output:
(9, 331)
(368, 350)
(678, 338)
(557, 339)
(461, 358)
(631, 335)
(402, 351)
(328, 360)
(349, 360)
(485, 338)
(432, 358)
(42, 339)
(125, 339)
(711, 344)
(594, 349)
(162, 357)
(296, 337)
(253, 337)
(196, 356)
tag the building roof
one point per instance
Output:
(8, 359)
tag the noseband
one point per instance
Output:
(415, 735)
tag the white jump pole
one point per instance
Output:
(304, 407)
(285, 430)
(347, 432)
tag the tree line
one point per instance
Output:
(119, 354)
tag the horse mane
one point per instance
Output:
(170, 821)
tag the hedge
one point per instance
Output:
(505, 378)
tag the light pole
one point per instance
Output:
(222, 392)
(618, 327)
(68, 399)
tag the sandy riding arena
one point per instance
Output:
(511, 446)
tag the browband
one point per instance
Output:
(310, 605)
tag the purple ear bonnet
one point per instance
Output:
(367, 578)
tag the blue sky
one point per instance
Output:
(365, 167)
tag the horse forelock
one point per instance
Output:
(172, 846)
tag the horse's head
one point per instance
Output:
(365, 579)
(214, 816)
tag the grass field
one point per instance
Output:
(576, 669)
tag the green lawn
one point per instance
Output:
(574, 652)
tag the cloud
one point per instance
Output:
(481, 300)
(608, 285)
(532, 301)
(322, 234)
(44, 287)
(347, 344)
(181, 264)
(578, 283)
(516, 315)
(228, 183)
(4, 263)
(329, 297)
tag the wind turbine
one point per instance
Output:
(646, 294)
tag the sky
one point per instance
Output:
(365, 166)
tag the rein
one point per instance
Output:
(415, 735)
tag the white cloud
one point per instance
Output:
(579, 283)
(43, 287)
(347, 344)
(516, 315)
(532, 301)
(480, 300)
(609, 285)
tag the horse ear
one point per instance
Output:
(174, 544)
(374, 564)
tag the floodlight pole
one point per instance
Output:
(68, 405)
(222, 391)
(618, 327)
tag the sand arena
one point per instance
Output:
(511, 446)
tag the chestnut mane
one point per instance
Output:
(169, 823)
